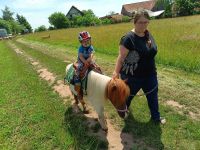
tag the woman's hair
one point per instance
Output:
(141, 13)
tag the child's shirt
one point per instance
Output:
(86, 51)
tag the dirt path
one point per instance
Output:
(117, 140)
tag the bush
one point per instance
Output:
(126, 19)
(106, 21)
(41, 28)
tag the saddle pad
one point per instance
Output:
(69, 76)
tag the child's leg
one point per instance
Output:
(78, 89)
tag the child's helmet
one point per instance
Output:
(84, 35)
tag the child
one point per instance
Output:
(85, 55)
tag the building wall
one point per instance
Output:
(126, 13)
(73, 12)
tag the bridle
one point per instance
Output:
(122, 110)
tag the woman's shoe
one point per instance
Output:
(161, 120)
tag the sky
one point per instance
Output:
(37, 11)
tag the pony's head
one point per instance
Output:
(117, 92)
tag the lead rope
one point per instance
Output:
(147, 93)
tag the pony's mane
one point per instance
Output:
(117, 92)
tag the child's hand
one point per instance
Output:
(86, 63)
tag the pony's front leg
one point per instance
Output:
(102, 119)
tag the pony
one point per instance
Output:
(101, 88)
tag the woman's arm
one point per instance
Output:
(123, 52)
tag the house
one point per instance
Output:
(74, 12)
(114, 17)
(149, 6)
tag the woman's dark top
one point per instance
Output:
(140, 60)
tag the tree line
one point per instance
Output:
(14, 26)
(173, 8)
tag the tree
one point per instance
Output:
(166, 5)
(196, 6)
(88, 19)
(7, 14)
(41, 28)
(59, 20)
(15, 27)
(22, 21)
(111, 13)
(184, 7)
(5, 25)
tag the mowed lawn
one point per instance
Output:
(32, 116)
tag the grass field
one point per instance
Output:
(176, 82)
(31, 115)
(177, 40)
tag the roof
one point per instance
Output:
(114, 16)
(73, 7)
(135, 6)
(154, 14)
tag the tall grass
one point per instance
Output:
(177, 40)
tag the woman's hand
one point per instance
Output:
(115, 75)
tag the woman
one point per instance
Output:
(136, 64)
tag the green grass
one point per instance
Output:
(31, 115)
(180, 132)
(177, 40)
(178, 72)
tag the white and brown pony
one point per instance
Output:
(100, 88)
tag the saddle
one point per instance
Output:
(69, 78)
(86, 69)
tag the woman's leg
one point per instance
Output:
(134, 85)
(150, 88)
